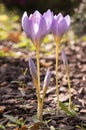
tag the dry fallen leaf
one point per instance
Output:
(21, 128)
(2, 108)
(14, 36)
(6, 49)
(16, 128)
(35, 126)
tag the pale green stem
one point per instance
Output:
(57, 90)
(69, 88)
(44, 93)
(38, 72)
(40, 108)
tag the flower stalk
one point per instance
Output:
(65, 61)
(40, 110)
(69, 87)
(57, 87)
(40, 107)
(36, 79)
(34, 74)
(59, 26)
(38, 71)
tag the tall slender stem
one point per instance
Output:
(40, 110)
(69, 88)
(44, 93)
(57, 90)
(40, 107)
(38, 71)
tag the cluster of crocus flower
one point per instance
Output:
(37, 26)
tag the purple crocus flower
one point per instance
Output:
(60, 25)
(36, 26)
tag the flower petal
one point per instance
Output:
(42, 29)
(58, 17)
(48, 16)
(62, 27)
(27, 26)
(36, 17)
(55, 23)
(67, 18)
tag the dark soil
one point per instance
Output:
(13, 103)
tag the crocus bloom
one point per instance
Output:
(60, 25)
(36, 26)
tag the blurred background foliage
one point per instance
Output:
(10, 21)
(79, 19)
(65, 6)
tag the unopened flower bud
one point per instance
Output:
(65, 61)
(47, 78)
(33, 70)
